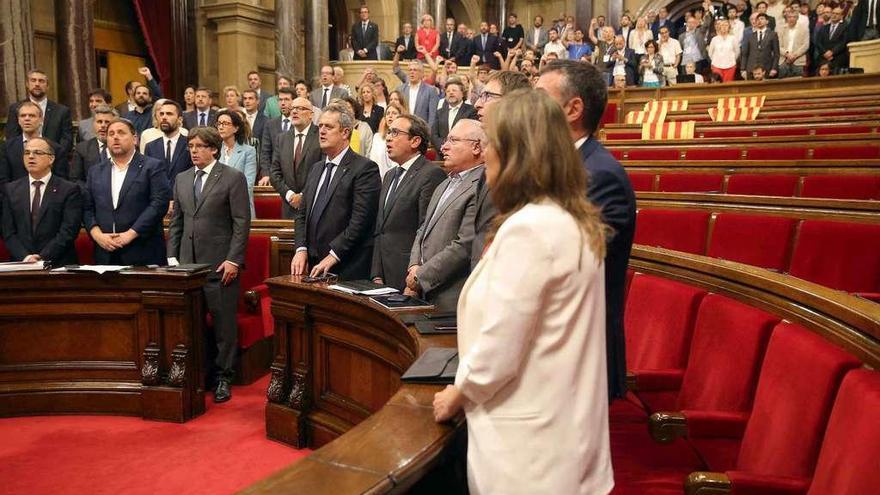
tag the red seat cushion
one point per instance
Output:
(85, 248)
(267, 206)
(652, 154)
(641, 181)
(850, 129)
(796, 389)
(762, 184)
(256, 260)
(713, 154)
(250, 329)
(842, 186)
(691, 182)
(778, 153)
(848, 460)
(734, 238)
(681, 230)
(847, 152)
(726, 133)
(4, 253)
(840, 255)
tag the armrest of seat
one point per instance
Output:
(654, 380)
(706, 483)
(253, 297)
(746, 483)
(716, 423)
(667, 426)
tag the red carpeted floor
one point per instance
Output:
(222, 451)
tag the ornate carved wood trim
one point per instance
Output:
(150, 369)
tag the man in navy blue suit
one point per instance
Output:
(582, 92)
(171, 148)
(126, 198)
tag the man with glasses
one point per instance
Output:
(30, 124)
(203, 115)
(42, 212)
(439, 261)
(93, 151)
(297, 151)
(403, 202)
(670, 50)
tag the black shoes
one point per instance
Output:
(223, 392)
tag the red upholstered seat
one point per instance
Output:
(641, 181)
(726, 133)
(267, 206)
(842, 186)
(618, 135)
(681, 230)
(784, 131)
(840, 255)
(799, 380)
(850, 129)
(762, 184)
(659, 320)
(759, 240)
(850, 451)
(652, 154)
(85, 248)
(713, 154)
(847, 152)
(4, 253)
(777, 153)
(691, 182)
(618, 154)
(609, 116)
(431, 154)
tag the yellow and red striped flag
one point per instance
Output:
(681, 129)
(741, 114)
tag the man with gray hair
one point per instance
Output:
(334, 225)
(93, 151)
(440, 259)
(421, 98)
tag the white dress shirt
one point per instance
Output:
(45, 180)
(453, 112)
(251, 117)
(207, 174)
(413, 95)
(174, 139)
(296, 138)
(117, 177)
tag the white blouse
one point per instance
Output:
(724, 51)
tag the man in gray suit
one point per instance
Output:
(537, 36)
(421, 98)
(440, 260)
(273, 129)
(403, 203)
(327, 91)
(210, 224)
(761, 49)
(297, 151)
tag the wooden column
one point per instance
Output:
(318, 47)
(184, 70)
(289, 38)
(583, 12)
(439, 14)
(74, 21)
(16, 50)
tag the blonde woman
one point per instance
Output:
(640, 35)
(371, 112)
(427, 38)
(232, 97)
(378, 152)
(531, 317)
(724, 51)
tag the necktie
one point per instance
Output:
(760, 37)
(321, 200)
(297, 152)
(197, 186)
(35, 204)
(103, 152)
(454, 181)
(285, 125)
(168, 151)
(364, 27)
(324, 99)
(831, 31)
(449, 43)
(484, 42)
(392, 190)
(202, 121)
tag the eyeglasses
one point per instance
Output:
(456, 140)
(220, 124)
(487, 96)
(37, 153)
(393, 132)
(302, 109)
(197, 146)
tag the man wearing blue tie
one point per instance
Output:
(203, 115)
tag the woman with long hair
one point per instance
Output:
(724, 51)
(427, 38)
(378, 151)
(235, 152)
(531, 316)
(232, 97)
(381, 92)
(189, 98)
(371, 112)
(640, 35)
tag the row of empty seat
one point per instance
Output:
(857, 150)
(614, 137)
(831, 186)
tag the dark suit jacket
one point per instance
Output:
(368, 41)
(12, 160)
(268, 142)
(487, 54)
(858, 22)
(264, 97)
(655, 28)
(180, 159)
(317, 94)
(410, 52)
(85, 155)
(631, 65)
(485, 212)
(440, 128)
(611, 191)
(191, 119)
(143, 202)
(216, 228)
(399, 220)
(56, 124)
(766, 54)
(347, 223)
(284, 174)
(837, 45)
(58, 221)
(259, 125)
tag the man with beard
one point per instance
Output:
(453, 110)
(171, 149)
(94, 151)
(142, 115)
(55, 116)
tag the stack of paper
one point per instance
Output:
(20, 266)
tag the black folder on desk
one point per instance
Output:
(410, 319)
(188, 267)
(436, 366)
(434, 327)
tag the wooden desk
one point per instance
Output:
(121, 343)
(337, 370)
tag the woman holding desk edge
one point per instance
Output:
(531, 377)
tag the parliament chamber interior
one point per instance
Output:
(751, 308)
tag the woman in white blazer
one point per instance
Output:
(234, 152)
(531, 318)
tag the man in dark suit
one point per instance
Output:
(253, 113)
(210, 224)
(461, 49)
(448, 41)
(454, 109)
(297, 151)
(126, 198)
(761, 49)
(662, 20)
(865, 21)
(89, 153)
(326, 91)
(403, 204)
(274, 129)
(485, 45)
(406, 43)
(334, 229)
(171, 149)
(203, 115)
(831, 42)
(30, 121)
(608, 188)
(622, 60)
(55, 117)
(255, 84)
(364, 36)
(42, 212)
